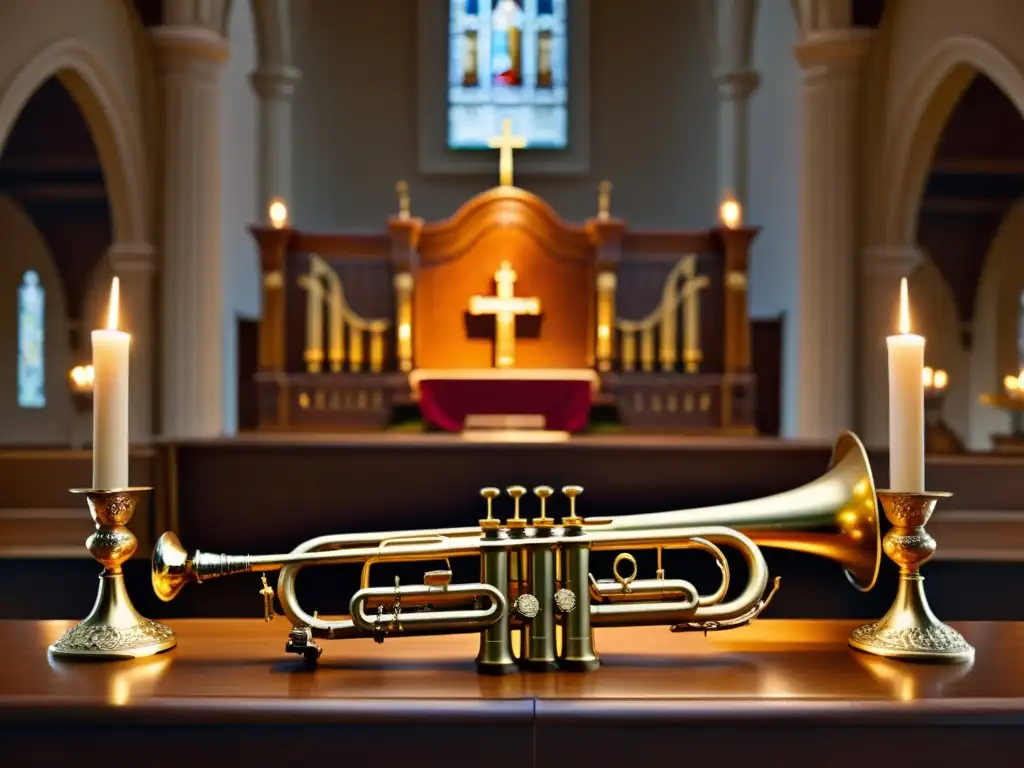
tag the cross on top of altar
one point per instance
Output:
(505, 143)
(505, 306)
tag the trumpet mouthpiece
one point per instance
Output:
(171, 567)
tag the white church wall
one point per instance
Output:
(239, 205)
(653, 118)
(772, 203)
(22, 249)
(997, 306)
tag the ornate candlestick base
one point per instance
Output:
(113, 629)
(910, 631)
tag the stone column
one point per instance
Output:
(734, 34)
(832, 62)
(734, 91)
(881, 268)
(275, 86)
(190, 59)
(135, 266)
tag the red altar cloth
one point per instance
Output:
(563, 398)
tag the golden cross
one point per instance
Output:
(505, 306)
(505, 143)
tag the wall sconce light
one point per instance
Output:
(80, 380)
(938, 436)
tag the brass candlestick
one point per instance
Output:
(113, 629)
(909, 630)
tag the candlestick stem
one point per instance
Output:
(113, 629)
(910, 630)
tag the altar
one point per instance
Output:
(506, 314)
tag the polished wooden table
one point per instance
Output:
(773, 693)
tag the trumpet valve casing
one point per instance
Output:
(495, 655)
(540, 653)
(578, 654)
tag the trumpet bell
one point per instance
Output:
(834, 516)
(170, 567)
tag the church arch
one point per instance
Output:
(113, 126)
(994, 351)
(914, 130)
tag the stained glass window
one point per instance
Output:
(31, 328)
(507, 59)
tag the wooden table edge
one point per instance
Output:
(213, 710)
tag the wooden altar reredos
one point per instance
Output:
(661, 316)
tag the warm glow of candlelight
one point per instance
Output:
(1011, 384)
(731, 213)
(278, 213)
(940, 380)
(904, 324)
(927, 376)
(82, 378)
(114, 306)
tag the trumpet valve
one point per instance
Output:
(543, 492)
(490, 494)
(572, 492)
(515, 522)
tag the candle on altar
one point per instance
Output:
(110, 400)
(906, 404)
(277, 211)
(730, 212)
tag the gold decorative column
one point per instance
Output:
(736, 240)
(606, 234)
(606, 285)
(403, 319)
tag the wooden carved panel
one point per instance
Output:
(554, 262)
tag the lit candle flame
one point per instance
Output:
(278, 213)
(730, 213)
(904, 307)
(927, 376)
(112, 308)
(941, 380)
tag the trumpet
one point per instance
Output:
(535, 576)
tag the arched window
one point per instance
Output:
(31, 341)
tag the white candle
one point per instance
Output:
(906, 404)
(110, 401)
